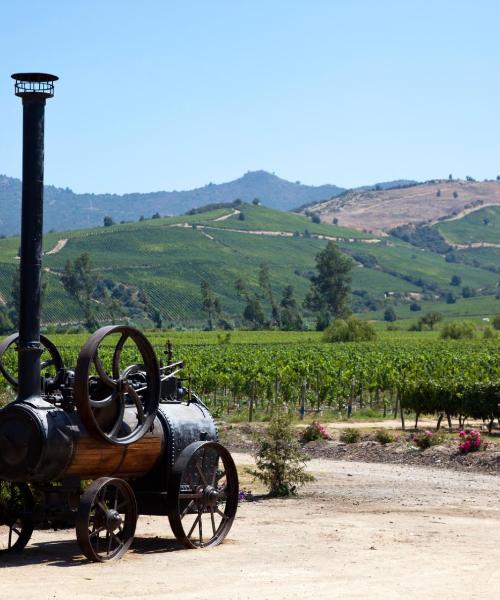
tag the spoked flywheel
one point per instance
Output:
(105, 386)
(50, 359)
(106, 520)
(16, 516)
(203, 495)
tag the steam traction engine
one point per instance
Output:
(118, 418)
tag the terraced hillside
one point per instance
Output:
(168, 258)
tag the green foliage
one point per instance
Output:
(429, 320)
(458, 330)
(290, 316)
(210, 302)
(349, 330)
(350, 436)
(385, 436)
(280, 461)
(79, 280)
(315, 431)
(426, 439)
(390, 314)
(496, 322)
(330, 286)
(108, 221)
(253, 313)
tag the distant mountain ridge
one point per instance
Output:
(65, 209)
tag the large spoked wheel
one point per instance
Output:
(106, 520)
(203, 495)
(105, 386)
(16, 516)
(50, 358)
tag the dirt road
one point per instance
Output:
(359, 531)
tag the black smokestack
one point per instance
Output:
(34, 89)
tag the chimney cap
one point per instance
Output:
(34, 77)
(36, 86)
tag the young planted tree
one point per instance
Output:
(280, 461)
(330, 286)
(79, 280)
(253, 312)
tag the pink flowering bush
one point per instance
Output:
(423, 440)
(470, 441)
(315, 431)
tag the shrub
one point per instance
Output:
(470, 441)
(280, 461)
(415, 307)
(383, 436)
(458, 330)
(489, 333)
(427, 439)
(315, 431)
(496, 322)
(350, 436)
(349, 330)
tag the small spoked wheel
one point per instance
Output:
(105, 387)
(106, 520)
(203, 495)
(50, 359)
(16, 516)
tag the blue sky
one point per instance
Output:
(175, 94)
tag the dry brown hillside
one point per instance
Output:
(380, 211)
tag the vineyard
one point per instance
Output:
(257, 372)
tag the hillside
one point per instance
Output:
(168, 258)
(382, 210)
(66, 210)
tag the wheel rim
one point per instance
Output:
(103, 391)
(16, 524)
(49, 359)
(106, 520)
(204, 495)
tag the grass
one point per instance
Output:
(479, 226)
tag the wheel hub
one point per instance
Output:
(210, 496)
(113, 519)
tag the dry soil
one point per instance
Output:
(361, 530)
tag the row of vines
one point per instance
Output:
(445, 378)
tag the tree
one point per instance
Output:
(330, 286)
(265, 284)
(415, 307)
(438, 193)
(430, 319)
(156, 215)
(467, 292)
(450, 298)
(79, 280)
(279, 459)
(456, 280)
(450, 177)
(349, 330)
(256, 202)
(108, 221)
(335, 221)
(5, 322)
(455, 194)
(241, 216)
(390, 314)
(253, 312)
(241, 288)
(316, 218)
(210, 303)
(290, 317)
